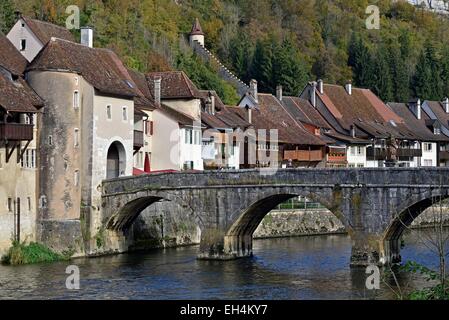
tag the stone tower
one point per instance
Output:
(197, 33)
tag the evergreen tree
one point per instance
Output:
(261, 66)
(382, 84)
(360, 61)
(445, 72)
(399, 75)
(427, 82)
(289, 69)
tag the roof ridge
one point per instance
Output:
(43, 22)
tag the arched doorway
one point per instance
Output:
(115, 163)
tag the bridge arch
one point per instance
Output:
(407, 213)
(239, 236)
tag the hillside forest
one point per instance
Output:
(286, 42)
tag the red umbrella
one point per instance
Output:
(147, 167)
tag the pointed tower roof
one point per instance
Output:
(196, 28)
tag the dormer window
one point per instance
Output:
(23, 44)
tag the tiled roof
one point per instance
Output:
(438, 110)
(212, 121)
(179, 116)
(174, 85)
(419, 127)
(44, 31)
(17, 96)
(98, 66)
(360, 105)
(232, 119)
(366, 111)
(272, 115)
(144, 100)
(196, 28)
(10, 57)
(304, 112)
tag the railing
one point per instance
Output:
(16, 131)
(382, 153)
(138, 139)
(303, 155)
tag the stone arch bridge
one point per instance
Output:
(375, 204)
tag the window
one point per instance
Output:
(427, 147)
(427, 163)
(76, 137)
(437, 130)
(76, 99)
(188, 136)
(108, 112)
(124, 114)
(9, 204)
(50, 140)
(29, 203)
(29, 119)
(197, 137)
(29, 159)
(149, 128)
(360, 165)
(188, 165)
(1, 160)
(76, 178)
(23, 44)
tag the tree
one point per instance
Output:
(382, 83)
(261, 66)
(426, 81)
(360, 60)
(7, 18)
(289, 69)
(399, 75)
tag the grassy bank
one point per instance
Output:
(28, 253)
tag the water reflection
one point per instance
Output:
(292, 268)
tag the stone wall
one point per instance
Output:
(298, 223)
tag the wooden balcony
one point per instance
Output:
(138, 139)
(382, 153)
(303, 155)
(16, 131)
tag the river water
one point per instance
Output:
(290, 268)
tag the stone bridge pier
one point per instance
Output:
(375, 205)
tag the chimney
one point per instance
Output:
(446, 105)
(157, 90)
(348, 87)
(353, 131)
(18, 14)
(279, 92)
(418, 109)
(87, 36)
(212, 103)
(253, 89)
(320, 86)
(249, 114)
(313, 94)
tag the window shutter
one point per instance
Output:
(151, 128)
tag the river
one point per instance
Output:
(288, 268)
